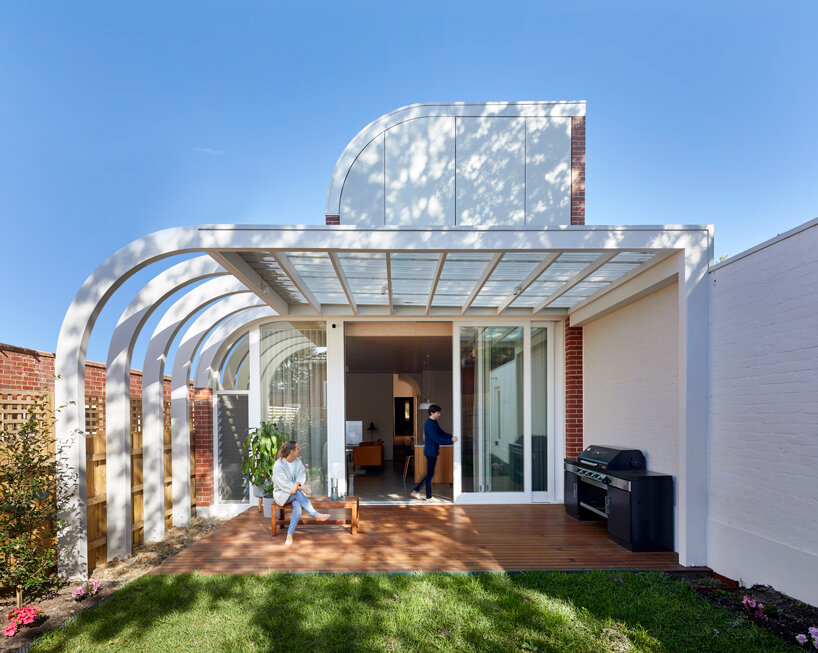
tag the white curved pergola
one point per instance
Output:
(153, 371)
(180, 396)
(345, 272)
(117, 391)
(219, 342)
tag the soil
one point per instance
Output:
(786, 617)
(58, 604)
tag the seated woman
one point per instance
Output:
(289, 476)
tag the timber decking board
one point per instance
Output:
(408, 538)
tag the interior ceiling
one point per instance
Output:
(398, 354)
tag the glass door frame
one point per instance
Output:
(230, 508)
(554, 411)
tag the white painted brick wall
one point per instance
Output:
(631, 380)
(763, 474)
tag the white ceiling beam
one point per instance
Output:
(435, 280)
(541, 267)
(298, 281)
(389, 280)
(239, 268)
(342, 279)
(587, 271)
(495, 260)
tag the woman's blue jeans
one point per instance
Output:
(300, 502)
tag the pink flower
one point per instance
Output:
(11, 629)
(813, 631)
(801, 639)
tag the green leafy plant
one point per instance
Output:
(260, 448)
(30, 500)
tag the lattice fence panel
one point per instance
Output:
(15, 407)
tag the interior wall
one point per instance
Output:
(369, 399)
(437, 386)
(764, 415)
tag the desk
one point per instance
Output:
(444, 470)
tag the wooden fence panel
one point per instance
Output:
(95, 480)
(14, 405)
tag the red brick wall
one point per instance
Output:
(333, 219)
(203, 418)
(573, 391)
(578, 170)
(26, 369)
(30, 370)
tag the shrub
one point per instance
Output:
(29, 500)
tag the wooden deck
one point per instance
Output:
(419, 538)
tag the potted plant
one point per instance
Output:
(260, 448)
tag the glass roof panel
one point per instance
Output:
(319, 274)
(412, 276)
(366, 274)
(459, 276)
(269, 270)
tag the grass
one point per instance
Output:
(535, 611)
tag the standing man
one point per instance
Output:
(433, 437)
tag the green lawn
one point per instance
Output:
(535, 611)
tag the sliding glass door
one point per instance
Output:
(491, 393)
(506, 412)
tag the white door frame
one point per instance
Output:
(554, 394)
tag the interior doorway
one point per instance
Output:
(393, 370)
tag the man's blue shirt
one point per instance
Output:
(433, 437)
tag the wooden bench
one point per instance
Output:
(321, 504)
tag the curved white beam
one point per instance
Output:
(117, 393)
(180, 396)
(153, 472)
(223, 337)
(239, 376)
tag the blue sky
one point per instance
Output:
(119, 119)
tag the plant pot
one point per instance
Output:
(258, 490)
(267, 505)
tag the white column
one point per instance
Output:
(694, 387)
(254, 398)
(336, 406)
(457, 415)
(526, 390)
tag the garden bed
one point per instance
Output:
(58, 604)
(785, 617)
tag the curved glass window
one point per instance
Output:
(294, 389)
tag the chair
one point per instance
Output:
(409, 459)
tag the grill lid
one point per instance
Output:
(611, 458)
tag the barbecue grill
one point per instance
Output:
(612, 483)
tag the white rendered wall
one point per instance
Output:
(764, 415)
(631, 383)
(445, 165)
